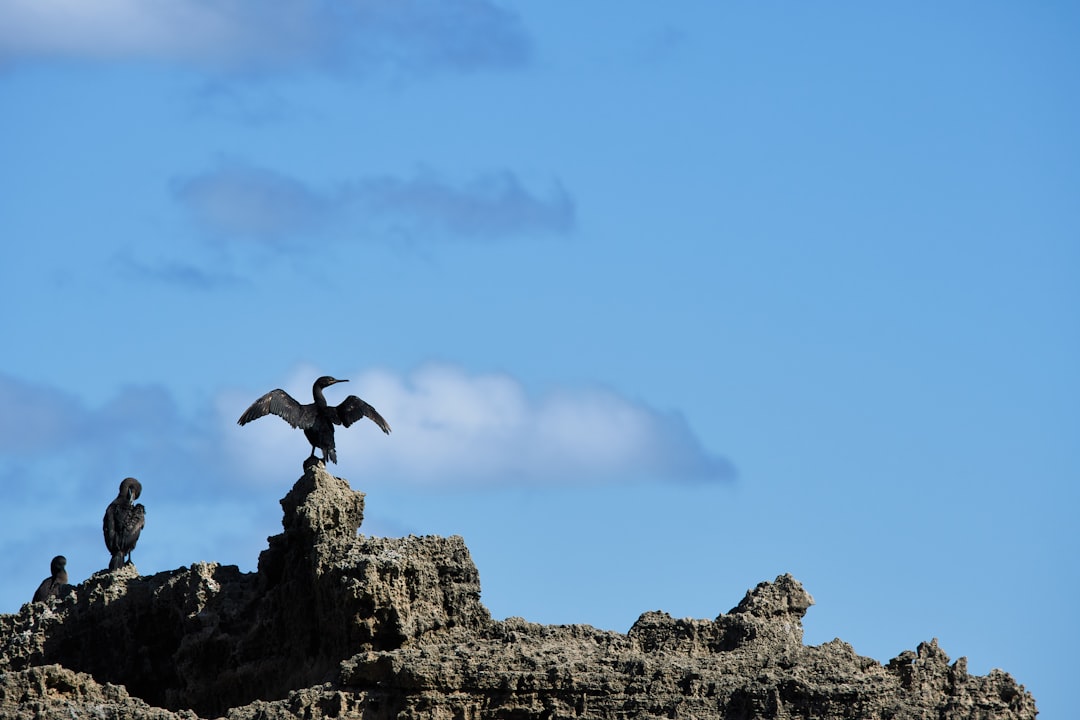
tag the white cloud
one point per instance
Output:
(451, 427)
(411, 35)
(174, 29)
(62, 459)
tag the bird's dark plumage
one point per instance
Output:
(55, 584)
(317, 419)
(123, 522)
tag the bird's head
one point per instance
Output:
(131, 488)
(58, 564)
(326, 381)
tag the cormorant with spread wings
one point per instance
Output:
(316, 419)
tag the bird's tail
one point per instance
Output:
(117, 561)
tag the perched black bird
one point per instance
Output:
(55, 584)
(317, 419)
(123, 522)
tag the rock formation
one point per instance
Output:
(336, 625)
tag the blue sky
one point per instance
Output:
(661, 301)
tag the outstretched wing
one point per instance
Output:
(352, 409)
(283, 405)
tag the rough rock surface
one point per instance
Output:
(336, 625)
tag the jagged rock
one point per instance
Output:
(52, 692)
(769, 617)
(337, 625)
(209, 637)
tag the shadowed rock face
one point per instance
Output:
(334, 625)
(209, 637)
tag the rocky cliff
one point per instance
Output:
(336, 625)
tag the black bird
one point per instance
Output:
(317, 419)
(123, 522)
(54, 584)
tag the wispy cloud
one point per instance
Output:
(408, 36)
(488, 206)
(140, 426)
(239, 201)
(37, 418)
(451, 427)
(177, 273)
(251, 104)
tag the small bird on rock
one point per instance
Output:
(53, 586)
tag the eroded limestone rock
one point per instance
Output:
(335, 625)
(209, 637)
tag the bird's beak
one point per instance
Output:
(337, 381)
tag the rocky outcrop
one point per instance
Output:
(337, 625)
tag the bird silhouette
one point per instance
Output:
(123, 523)
(317, 419)
(54, 584)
